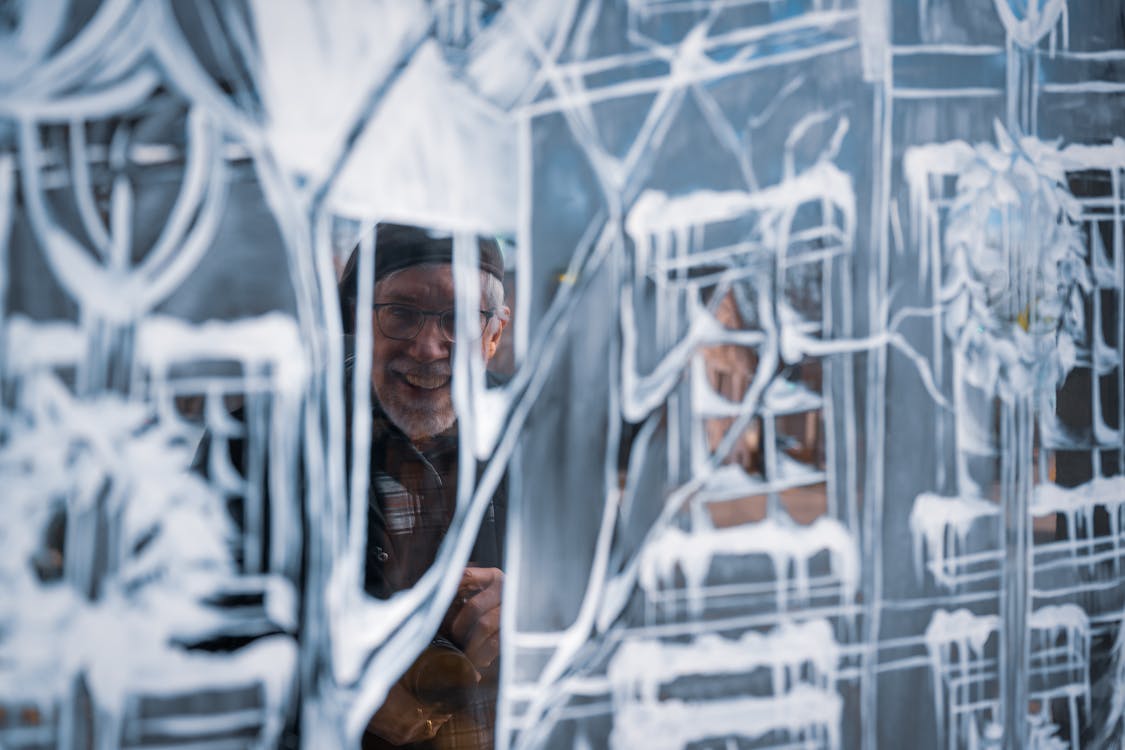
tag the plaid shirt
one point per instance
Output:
(411, 501)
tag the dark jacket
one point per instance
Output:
(412, 497)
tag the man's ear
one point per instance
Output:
(494, 332)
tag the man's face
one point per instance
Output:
(412, 377)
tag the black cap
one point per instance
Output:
(400, 246)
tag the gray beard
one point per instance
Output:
(418, 423)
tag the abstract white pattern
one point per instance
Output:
(815, 432)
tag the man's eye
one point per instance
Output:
(402, 313)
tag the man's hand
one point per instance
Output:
(402, 719)
(476, 626)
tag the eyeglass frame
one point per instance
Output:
(439, 314)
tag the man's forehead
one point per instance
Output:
(426, 280)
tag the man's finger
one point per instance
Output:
(479, 578)
(475, 607)
(484, 643)
(483, 652)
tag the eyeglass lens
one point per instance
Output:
(403, 322)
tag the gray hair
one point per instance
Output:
(491, 288)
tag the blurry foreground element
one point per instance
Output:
(129, 609)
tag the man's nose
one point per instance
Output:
(430, 344)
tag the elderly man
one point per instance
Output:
(447, 698)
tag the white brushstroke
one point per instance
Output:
(271, 340)
(940, 526)
(639, 667)
(784, 544)
(804, 713)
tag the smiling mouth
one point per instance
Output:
(424, 381)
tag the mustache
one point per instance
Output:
(439, 369)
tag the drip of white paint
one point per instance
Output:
(919, 165)
(961, 626)
(940, 526)
(272, 339)
(1077, 504)
(784, 544)
(34, 345)
(1068, 617)
(804, 713)
(1073, 624)
(969, 632)
(640, 666)
(656, 213)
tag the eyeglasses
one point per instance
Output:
(403, 322)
